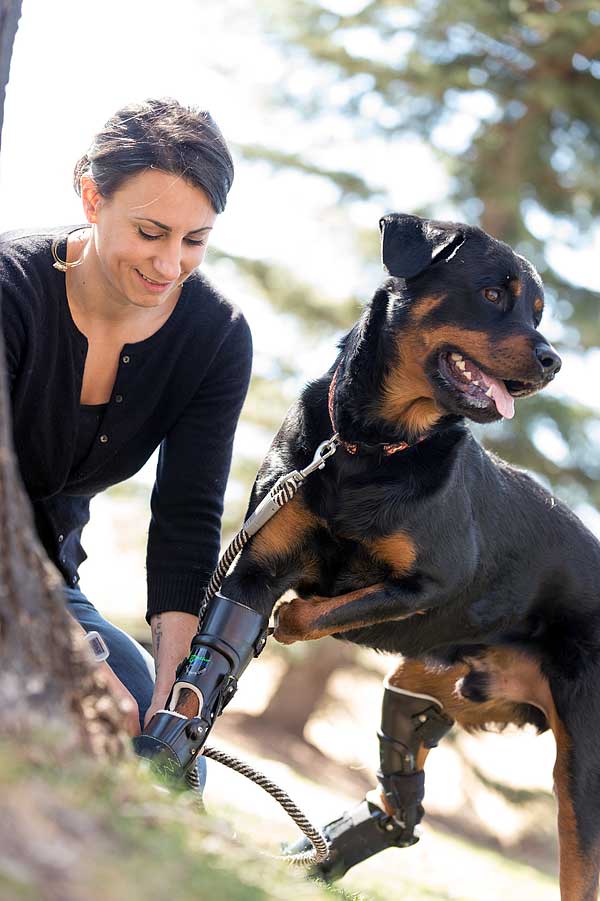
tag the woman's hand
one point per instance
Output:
(159, 700)
(125, 700)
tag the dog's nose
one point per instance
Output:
(548, 359)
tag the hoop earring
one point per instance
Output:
(64, 265)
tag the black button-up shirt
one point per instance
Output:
(181, 389)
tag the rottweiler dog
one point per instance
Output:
(415, 540)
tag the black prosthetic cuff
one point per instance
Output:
(229, 636)
(409, 723)
(404, 793)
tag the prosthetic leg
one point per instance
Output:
(411, 724)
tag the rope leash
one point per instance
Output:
(280, 494)
(284, 489)
(320, 850)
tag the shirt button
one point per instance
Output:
(61, 538)
(103, 439)
(118, 398)
(125, 358)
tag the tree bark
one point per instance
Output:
(10, 13)
(42, 677)
(303, 685)
(35, 641)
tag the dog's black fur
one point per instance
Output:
(485, 556)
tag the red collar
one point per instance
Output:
(353, 448)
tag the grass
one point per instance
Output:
(72, 828)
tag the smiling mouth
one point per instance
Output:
(481, 391)
(151, 281)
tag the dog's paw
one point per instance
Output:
(290, 621)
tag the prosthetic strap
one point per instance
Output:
(229, 637)
(409, 722)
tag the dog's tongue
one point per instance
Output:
(505, 404)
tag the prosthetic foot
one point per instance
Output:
(411, 724)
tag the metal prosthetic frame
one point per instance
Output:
(409, 723)
(229, 637)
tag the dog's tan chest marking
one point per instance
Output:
(398, 551)
(283, 533)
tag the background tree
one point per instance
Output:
(506, 95)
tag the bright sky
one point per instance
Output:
(76, 61)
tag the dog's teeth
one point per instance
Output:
(456, 357)
(461, 364)
(489, 392)
(468, 375)
(475, 382)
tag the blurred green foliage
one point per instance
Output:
(507, 96)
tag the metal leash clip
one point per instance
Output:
(286, 487)
(325, 450)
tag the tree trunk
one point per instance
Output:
(10, 13)
(42, 675)
(304, 684)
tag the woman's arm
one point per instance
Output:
(172, 633)
(191, 475)
(187, 503)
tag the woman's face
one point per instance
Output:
(149, 235)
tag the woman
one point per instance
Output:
(115, 345)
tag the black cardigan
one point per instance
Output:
(182, 388)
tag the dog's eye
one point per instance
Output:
(494, 295)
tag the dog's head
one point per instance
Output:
(462, 311)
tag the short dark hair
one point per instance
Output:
(159, 134)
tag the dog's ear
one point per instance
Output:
(410, 244)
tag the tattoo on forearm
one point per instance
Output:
(157, 637)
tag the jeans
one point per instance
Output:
(129, 661)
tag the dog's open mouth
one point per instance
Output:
(480, 390)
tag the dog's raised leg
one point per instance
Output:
(307, 619)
